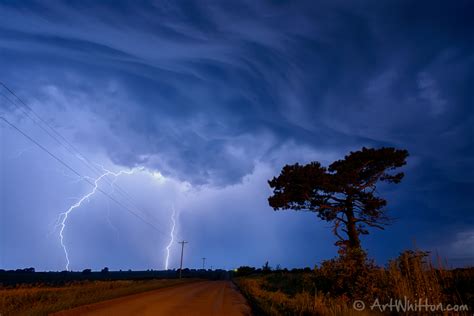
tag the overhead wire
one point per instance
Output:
(67, 166)
(70, 147)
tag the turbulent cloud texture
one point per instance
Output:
(219, 95)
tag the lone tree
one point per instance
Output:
(344, 193)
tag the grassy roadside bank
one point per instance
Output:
(338, 288)
(274, 303)
(42, 300)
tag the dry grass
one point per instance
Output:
(278, 302)
(331, 289)
(42, 300)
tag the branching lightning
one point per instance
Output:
(64, 143)
(64, 215)
(173, 225)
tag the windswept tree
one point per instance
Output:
(344, 193)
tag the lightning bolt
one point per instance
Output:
(62, 219)
(173, 225)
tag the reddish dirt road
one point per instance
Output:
(199, 298)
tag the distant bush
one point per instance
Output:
(244, 271)
(26, 270)
(266, 268)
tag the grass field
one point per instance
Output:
(42, 300)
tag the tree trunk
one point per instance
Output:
(352, 233)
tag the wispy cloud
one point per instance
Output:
(208, 92)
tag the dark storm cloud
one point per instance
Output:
(203, 91)
(240, 78)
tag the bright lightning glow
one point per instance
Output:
(171, 240)
(64, 216)
(159, 177)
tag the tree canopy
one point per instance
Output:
(343, 193)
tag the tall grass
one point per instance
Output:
(43, 300)
(279, 302)
(332, 288)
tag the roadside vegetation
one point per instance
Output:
(334, 287)
(40, 299)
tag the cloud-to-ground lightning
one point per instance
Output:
(64, 215)
(173, 225)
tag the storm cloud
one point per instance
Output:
(212, 94)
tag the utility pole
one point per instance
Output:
(203, 262)
(182, 251)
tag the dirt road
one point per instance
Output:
(199, 298)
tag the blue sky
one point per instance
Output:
(211, 99)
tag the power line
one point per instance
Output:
(40, 146)
(70, 148)
(78, 174)
(88, 163)
(31, 118)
